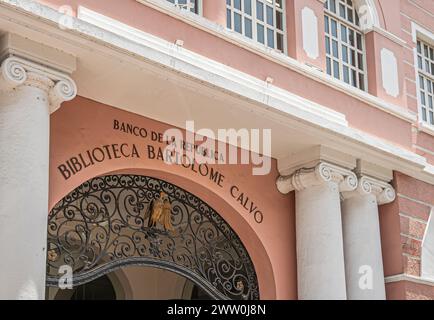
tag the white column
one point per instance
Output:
(28, 93)
(362, 241)
(320, 255)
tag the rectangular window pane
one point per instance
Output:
(237, 4)
(326, 24)
(260, 32)
(342, 11)
(237, 22)
(353, 57)
(336, 69)
(270, 16)
(248, 7)
(350, 15)
(259, 10)
(335, 49)
(346, 74)
(280, 42)
(248, 28)
(352, 38)
(345, 54)
(270, 38)
(279, 20)
(334, 28)
(228, 19)
(360, 61)
(354, 77)
(361, 82)
(359, 41)
(328, 45)
(424, 118)
(333, 6)
(344, 36)
(329, 66)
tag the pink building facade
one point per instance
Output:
(340, 94)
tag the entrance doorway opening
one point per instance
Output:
(133, 283)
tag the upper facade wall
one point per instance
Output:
(382, 100)
(417, 23)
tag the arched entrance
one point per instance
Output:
(115, 221)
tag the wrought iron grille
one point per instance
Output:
(103, 225)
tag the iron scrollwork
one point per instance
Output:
(104, 224)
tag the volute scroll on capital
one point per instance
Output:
(383, 192)
(322, 173)
(16, 72)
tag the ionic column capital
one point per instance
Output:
(16, 72)
(383, 192)
(322, 173)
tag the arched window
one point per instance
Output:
(345, 43)
(260, 20)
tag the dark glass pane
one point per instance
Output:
(260, 33)
(259, 10)
(237, 23)
(270, 38)
(248, 28)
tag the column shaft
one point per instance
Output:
(28, 93)
(362, 248)
(320, 257)
(24, 157)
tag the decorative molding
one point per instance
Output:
(383, 192)
(310, 32)
(16, 72)
(322, 173)
(389, 72)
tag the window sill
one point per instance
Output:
(426, 128)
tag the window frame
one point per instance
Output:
(357, 29)
(426, 76)
(255, 21)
